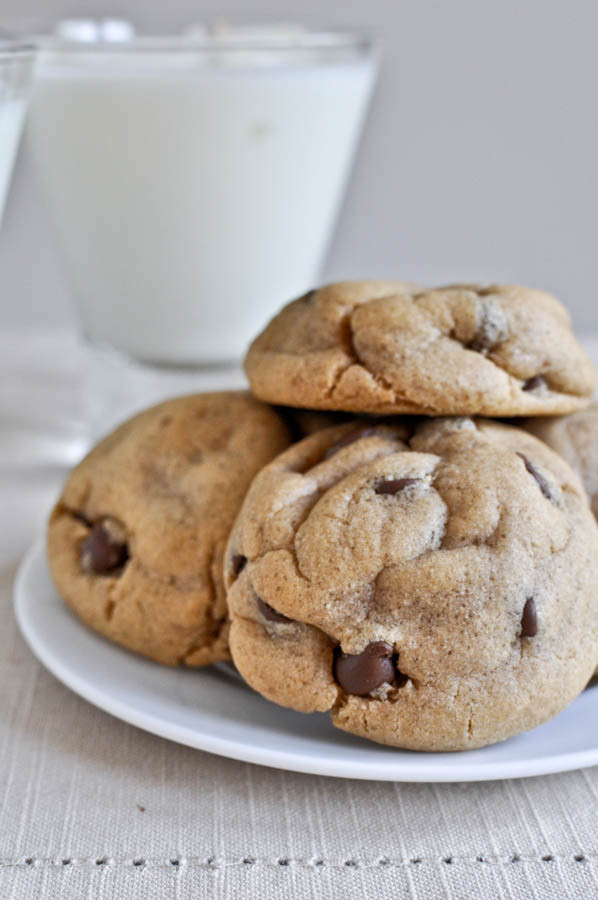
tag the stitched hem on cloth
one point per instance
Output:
(281, 862)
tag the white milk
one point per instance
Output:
(12, 113)
(193, 193)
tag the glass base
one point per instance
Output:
(117, 386)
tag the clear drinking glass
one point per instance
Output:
(16, 69)
(193, 183)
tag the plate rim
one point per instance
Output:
(422, 771)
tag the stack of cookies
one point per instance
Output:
(422, 572)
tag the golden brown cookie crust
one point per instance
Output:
(389, 347)
(485, 518)
(171, 481)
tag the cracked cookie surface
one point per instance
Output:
(389, 347)
(430, 583)
(136, 541)
(575, 438)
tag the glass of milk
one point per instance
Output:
(193, 182)
(16, 68)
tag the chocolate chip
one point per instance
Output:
(529, 619)
(534, 383)
(350, 438)
(238, 563)
(308, 296)
(542, 483)
(105, 550)
(363, 672)
(394, 485)
(269, 613)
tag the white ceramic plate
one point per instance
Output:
(212, 709)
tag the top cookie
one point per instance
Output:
(136, 541)
(389, 347)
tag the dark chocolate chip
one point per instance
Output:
(269, 613)
(363, 672)
(350, 438)
(238, 563)
(529, 619)
(394, 485)
(103, 552)
(533, 383)
(542, 483)
(308, 296)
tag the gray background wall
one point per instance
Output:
(479, 160)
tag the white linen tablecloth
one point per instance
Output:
(92, 807)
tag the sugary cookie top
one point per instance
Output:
(380, 561)
(172, 474)
(390, 347)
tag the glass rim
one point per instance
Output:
(329, 40)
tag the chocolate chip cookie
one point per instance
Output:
(384, 347)
(136, 541)
(429, 583)
(575, 438)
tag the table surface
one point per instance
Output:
(92, 807)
